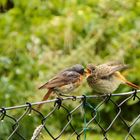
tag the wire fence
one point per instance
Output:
(59, 104)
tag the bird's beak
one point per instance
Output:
(87, 72)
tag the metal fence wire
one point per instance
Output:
(82, 102)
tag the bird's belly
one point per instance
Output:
(66, 88)
(106, 86)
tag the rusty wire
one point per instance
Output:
(60, 105)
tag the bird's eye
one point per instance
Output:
(93, 69)
(104, 77)
(82, 71)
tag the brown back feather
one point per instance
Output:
(62, 79)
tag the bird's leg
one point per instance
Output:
(59, 96)
(64, 95)
(59, 93)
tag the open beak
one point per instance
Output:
(87, 72)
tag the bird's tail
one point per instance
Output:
(125, 81)
(132, 85)
(44, 98)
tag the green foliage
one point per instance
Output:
(39, 38)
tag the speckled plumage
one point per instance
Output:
(106, 78)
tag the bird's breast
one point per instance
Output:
(107, 85)
(67, 88)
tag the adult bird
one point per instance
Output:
(64, 82)
(106, 78)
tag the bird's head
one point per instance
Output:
(78, 68)
(90, 69)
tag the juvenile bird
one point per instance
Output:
(106, 78)
(64, 82)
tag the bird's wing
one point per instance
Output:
(61, 79)
(105, 70)
(114, 63)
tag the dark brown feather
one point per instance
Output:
(61, 79)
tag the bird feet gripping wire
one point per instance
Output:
(73, 97)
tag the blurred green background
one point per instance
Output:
(38, 38)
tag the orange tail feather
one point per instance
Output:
(132, 85)
(45, 98)
(122, 78)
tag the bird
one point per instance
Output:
(106, 78)
(64, 82)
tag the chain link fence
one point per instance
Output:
(82, 102)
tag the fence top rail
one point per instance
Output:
(69, 98)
